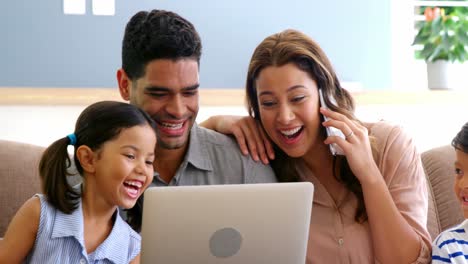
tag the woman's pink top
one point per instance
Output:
(335, 237)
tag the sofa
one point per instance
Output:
(19, 180)
(444, 208)
(19, 177)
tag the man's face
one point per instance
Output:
(168, 92)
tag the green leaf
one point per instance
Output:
(460, 51)
(418, 56)
(462, 35)
(427, 51)
(433, 56)
(448, 23)
(421, 37)
(452, 57)
(446, 43)
(436, 25)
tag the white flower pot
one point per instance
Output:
(443, 74)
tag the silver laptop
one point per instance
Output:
(245, 223)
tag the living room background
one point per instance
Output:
(42, 47)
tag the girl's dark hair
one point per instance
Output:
(97, 124)
(291, 46)
(135, 214)
(460, 141)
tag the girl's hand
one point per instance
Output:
(356, 145)
(248, 133)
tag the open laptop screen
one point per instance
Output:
(245, 223)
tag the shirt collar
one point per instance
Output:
(117, 243)
(197, 153)
(69, 225)
(464, 225)
(321, 196)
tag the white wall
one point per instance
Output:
(429, 125)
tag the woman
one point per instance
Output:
(370, 204)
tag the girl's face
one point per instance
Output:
(124, 166)
(289, 108)
(461, 180)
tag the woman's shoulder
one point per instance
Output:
(387, 135)
(384, 129)
(391, 143)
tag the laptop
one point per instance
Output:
(241, 223)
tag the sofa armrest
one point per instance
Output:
(19, 177)
(438, 166)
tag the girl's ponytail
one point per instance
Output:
(54, 170)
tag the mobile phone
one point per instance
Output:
(331, 131)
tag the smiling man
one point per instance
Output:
(160, 74)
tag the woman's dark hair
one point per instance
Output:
(97, 124)
(291, 46)
(460, 141)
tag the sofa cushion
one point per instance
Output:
(433, 225)
(438, 166)
(19, 177)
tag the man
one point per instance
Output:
(160, 74)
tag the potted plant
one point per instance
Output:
(443, 36)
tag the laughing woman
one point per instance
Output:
(370, 203)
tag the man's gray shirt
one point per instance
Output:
(214, 158)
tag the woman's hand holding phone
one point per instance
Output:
(355, 144)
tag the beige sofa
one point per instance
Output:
(19, 180)
(19, 177)
(444, 209)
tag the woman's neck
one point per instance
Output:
(319, 159)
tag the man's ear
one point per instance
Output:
(124, 84)
(86, 157)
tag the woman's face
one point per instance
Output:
(289, 108)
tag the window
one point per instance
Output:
(407, 72)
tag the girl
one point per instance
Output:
(114, 146)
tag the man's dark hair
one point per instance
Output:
(154, 35)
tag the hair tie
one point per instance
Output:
(72, 138)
